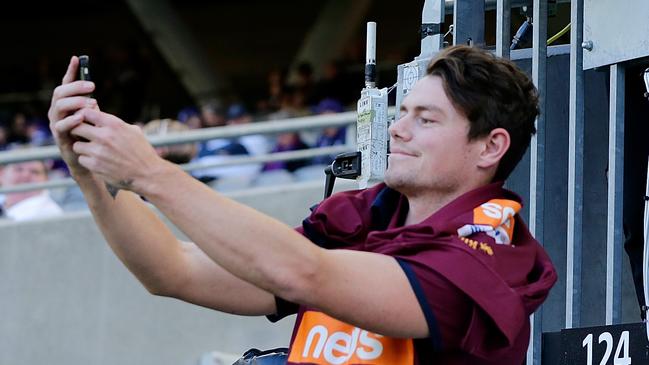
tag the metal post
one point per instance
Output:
(575, 168)
(645, 253)
(432, 16)
(537, 158)
(537, 148)
(503, 27)
(614, 235)
(468, 22)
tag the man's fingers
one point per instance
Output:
(70, 74)
(85, 161)
(71, 104)
(85, 130)
(73, 88)
(82, 148)
(98, 118)
(66, 124)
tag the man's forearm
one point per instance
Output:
(134, 232)
(247, 243)
(164, 265)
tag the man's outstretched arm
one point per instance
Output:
(368, 290)
(165, 265)
(147, 247)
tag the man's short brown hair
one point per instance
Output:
(492, 93)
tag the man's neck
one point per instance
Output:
(422, 207)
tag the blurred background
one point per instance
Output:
(151, 59)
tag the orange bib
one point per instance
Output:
(323, 340)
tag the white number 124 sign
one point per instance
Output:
(621, 356)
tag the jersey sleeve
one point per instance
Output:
(447, 309)
(284, 309)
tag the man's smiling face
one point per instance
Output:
(429, 145)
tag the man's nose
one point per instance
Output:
(399, 128)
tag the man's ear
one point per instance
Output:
(496, 144)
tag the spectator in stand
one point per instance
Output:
(213, 114)
(178, 154)
(220, 149)
(191, 117)
(256, 144)
(18, 131)
(286, 105)
(330, 136)
(305, 83)
(27, 205)
(273, 101)
(292, 106)
(3, 137)
(334, 84)
(39, 132)
(288, 142)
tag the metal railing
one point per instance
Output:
(346, 119)
(205, 134)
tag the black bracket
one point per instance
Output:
(345, 166)
(428, 29)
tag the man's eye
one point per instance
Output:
(426, 121)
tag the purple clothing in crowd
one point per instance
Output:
(296, 144)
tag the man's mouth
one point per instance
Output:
(400, 152)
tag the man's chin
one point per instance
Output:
(397, 183)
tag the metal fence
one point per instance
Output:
(577, 302)
(347, 119)
(563, 187)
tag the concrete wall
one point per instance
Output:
(66, 299)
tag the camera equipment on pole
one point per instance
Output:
(368, 164)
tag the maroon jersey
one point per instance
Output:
(474, 267)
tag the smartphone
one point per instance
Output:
(84, 69)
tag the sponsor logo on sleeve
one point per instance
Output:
(323, 340)
(495, 218)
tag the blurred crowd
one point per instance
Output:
(331, 93)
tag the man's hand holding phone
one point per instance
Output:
(66, 112)
(98, 144)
